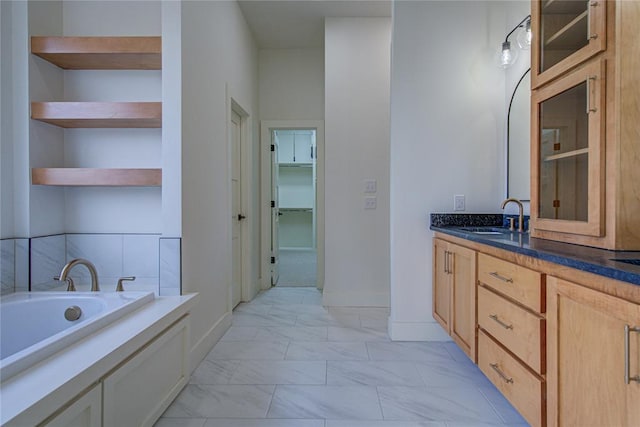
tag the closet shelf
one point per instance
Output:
(100, 53)
(99, 114)
(90, 177)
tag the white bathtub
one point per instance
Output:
(33, 325)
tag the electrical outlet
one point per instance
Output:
(370, 202)
(458, 202)
(370, 186)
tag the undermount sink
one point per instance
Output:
(485, 230)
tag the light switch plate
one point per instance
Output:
(458, 202)
(370, 186)
(370, 202)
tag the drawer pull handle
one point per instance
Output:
(500, 322)
(506, 379)
(499, 277)
(627, 377)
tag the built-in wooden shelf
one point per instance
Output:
(568, 154)
(100, 53)
(99, 114)
(571, 36)
(89, 177)
(563, 7)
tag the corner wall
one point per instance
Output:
(447, 127)
(357, 76)
(219, 61)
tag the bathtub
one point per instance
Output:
(33, 324)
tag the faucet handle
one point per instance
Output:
(71, 287)
(119, 287)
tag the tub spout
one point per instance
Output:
(92, 271)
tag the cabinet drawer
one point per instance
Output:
(519, 283)
(516, 328)
(522, 388)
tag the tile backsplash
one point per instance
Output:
(154, 261)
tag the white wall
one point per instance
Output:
(219, 61)
(357, 76)
(291, 84)
(447, 124)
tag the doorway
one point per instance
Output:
(293, 236)
(293, 196)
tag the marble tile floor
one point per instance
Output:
(287, 361)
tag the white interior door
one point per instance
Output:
(275, 211)
(236, 202)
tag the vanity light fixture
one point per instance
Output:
(508, 55)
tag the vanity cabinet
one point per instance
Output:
(584, 130)
(511, 335)
(588, 351)
(454, 293)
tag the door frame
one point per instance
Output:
(266, 126)
(246, 205)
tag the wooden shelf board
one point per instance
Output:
(569, 36)
(561, 7)
(573, 153)
(99, 114)
(85, 177)
(295, 165)
(100, 53)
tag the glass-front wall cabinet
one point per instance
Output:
(568, 128)
(570, 32)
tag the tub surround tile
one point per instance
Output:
(102, 250)
(222, 401)
(464, 404)
(7, 266)
(141, 255)
(48, 256)
(21, 265)
(345, 402)
(170, 265)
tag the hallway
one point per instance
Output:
(287, 361)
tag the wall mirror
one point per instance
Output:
(518, 136)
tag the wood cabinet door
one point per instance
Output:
(441, 284)
(463, 298)
(586, 357)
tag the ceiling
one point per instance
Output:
(284, 24)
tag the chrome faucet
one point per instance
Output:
(521, 213)
(92, 270)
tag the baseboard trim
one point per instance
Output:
(200, 350)
(416, 331)
(355, 299)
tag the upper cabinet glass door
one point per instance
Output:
(566, 33)
(568, 129)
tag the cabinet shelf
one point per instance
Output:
(295, 165)
(91, 177)
(99, 114)
(100, 53)
(571, 36)
(573, 153)
(562, 7)
(297, 209)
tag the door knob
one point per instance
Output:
(241, 217)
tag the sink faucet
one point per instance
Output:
(92, 270)
(521, 213)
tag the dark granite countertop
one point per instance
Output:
(593, 260)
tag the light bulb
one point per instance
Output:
(525, 36)
(508, 56)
